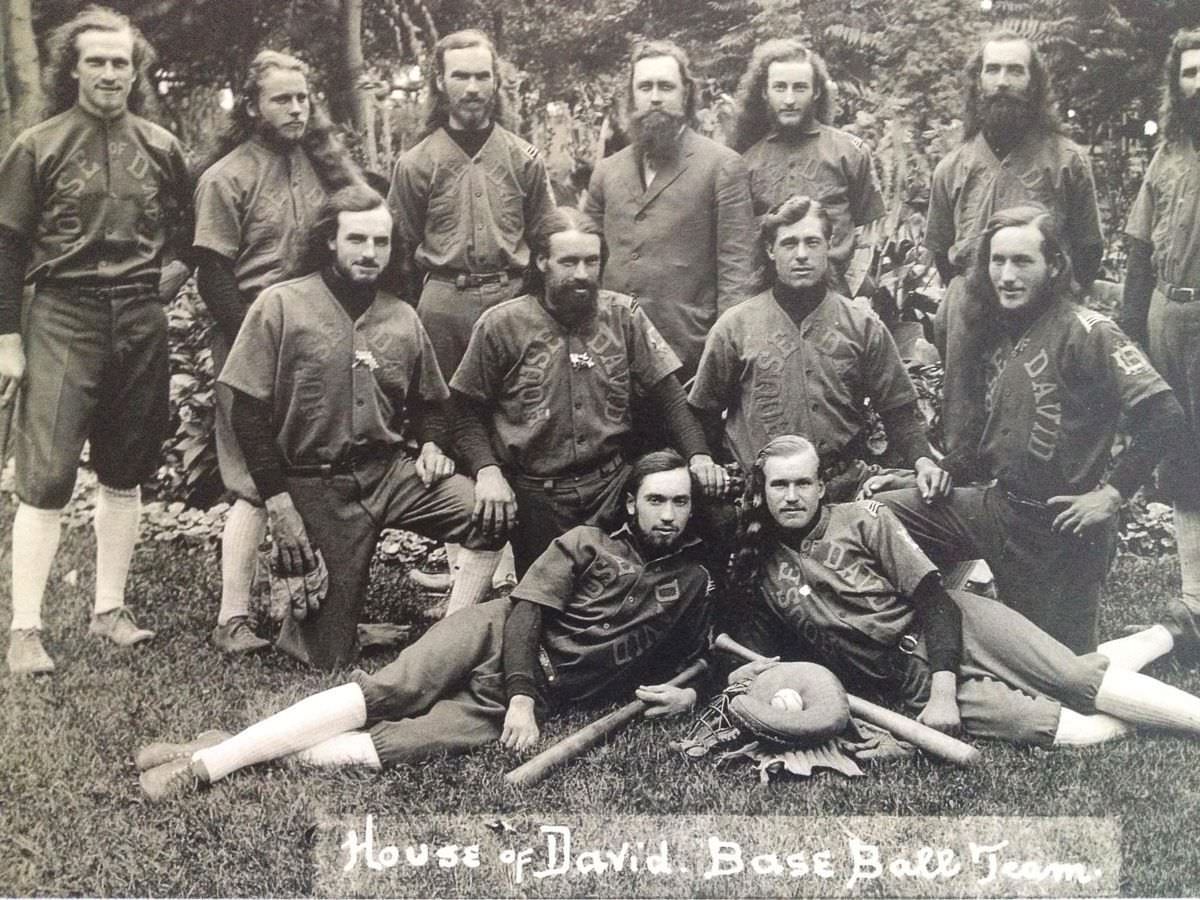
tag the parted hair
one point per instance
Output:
(1040, 97)
(437, 107)
(62, 56)
(356, 197)
(666, 460)
(1173, 124)
(560, 219)
(754, 524)
(651, 49)
(330, 160)
(754, 116)
(1054, 249)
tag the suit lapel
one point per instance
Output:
(666, 175)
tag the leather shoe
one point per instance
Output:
(161, 752)
(26, 655)
(237, 636)
(119, 626)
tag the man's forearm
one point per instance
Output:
(905, 427)
(252, 426)
(14, 260)
(1139, 286)
(469, 433)
(1159, 428)
(218, 287)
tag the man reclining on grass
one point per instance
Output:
(844, 585)
(595, 615)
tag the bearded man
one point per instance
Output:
(674, 208)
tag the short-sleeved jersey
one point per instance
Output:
(97, 198)
(333, 384)
(470, 214)
(971, 184)
(1166, 213)
(256, 206)
(1053, 400)
(561, 396)
(613, 613)
(845, 592)
(775, 378)
(827, 164)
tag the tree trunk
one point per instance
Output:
(354, 64)
(20, 72)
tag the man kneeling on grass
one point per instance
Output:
(596, 615)
(844, 585)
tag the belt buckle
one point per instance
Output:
(463, 281)
(1189, 294)
(908, 644)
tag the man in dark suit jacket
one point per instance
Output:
(675, 209)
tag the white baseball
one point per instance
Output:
(787, 698)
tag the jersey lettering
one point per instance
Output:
(630, 646)
(667, 593)
(1130, 361)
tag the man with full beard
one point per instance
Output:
(675, 209)
(544, 396)
(1013, 152)
(1054, 378)
(784, 135)
(1162, 312)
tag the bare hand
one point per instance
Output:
(1085, 511)
(711, 477)
(933, 481)
(666, 699)
(886, 481)
(941, 712)
(752, 669)
(495, 503)
(173, 276)
(12, 366)
(520, 725)
(293, 553)
(433, 465)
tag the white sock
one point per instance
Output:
(506, 569)
(116, 525)
(1076, 730)
(1144, 700)
(1135, 651)
(474, 580)
(452, 551)
(245, 527)
(351, 748)
(35, 536)
(302, 725)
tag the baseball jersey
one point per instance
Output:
(971, 184)
(772, 377)
(1054, 398)
(334, 384)
(256, 207)
(845, 591)
(827, 164)
(614, 613)
(1167, 215)
(470, 214)
(562, 397)
(95, 197)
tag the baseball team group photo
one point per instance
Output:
(706, 426)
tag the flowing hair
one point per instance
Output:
(1173, 124)
(754, 116)
(752, 545)
(1040, 99)
(560, 219)
(357, 197)
(329, 159)
(62, 56)
(437, 109)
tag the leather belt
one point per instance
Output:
(102, 290)
(563, 481)
(1029, 504)
(1179, 294)
(342, 466)
(464, 280)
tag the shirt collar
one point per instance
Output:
(776, 135)
(625, 532)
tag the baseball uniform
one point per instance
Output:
(1053, 401)
(842, 599)
(612, 620)
(468, 218)
(97, 200)
(337, 390)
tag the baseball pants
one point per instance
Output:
(1053, 579)
(343, 515)
(96, 371)
(449, 313)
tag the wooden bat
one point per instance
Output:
(534, 770)
(932, 741)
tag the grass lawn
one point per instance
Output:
(73, 821)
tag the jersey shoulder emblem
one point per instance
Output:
(1089, 318)
(531, 151)
(1129, 360)
(872, 507)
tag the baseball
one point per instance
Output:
(787, 698)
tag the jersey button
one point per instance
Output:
(579, 440)
(578, 404)
(360, 402)
(479, 193)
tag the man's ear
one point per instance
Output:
(821, 492)
(540, 261)
(630, 504)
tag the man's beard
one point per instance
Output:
(1005, 117)
(475, 116)
(572, 302)
(1188, 111)
(656, 134)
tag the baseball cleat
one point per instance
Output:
(172, 779)
(26, 655)
(237, 636)
(119, 626)
(161, 752)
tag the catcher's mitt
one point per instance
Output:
(299, 595)
(793, 703)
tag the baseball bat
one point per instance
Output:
(932, 741)
(535, 769)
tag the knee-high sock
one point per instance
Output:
(1144, 700)
(244, 529)
(302, 725)
(1077, 730)
(474, 579)
(35, 537)
(1135, 651)
(116, 524)
(353, 748)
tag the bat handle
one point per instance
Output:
(729, 645)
